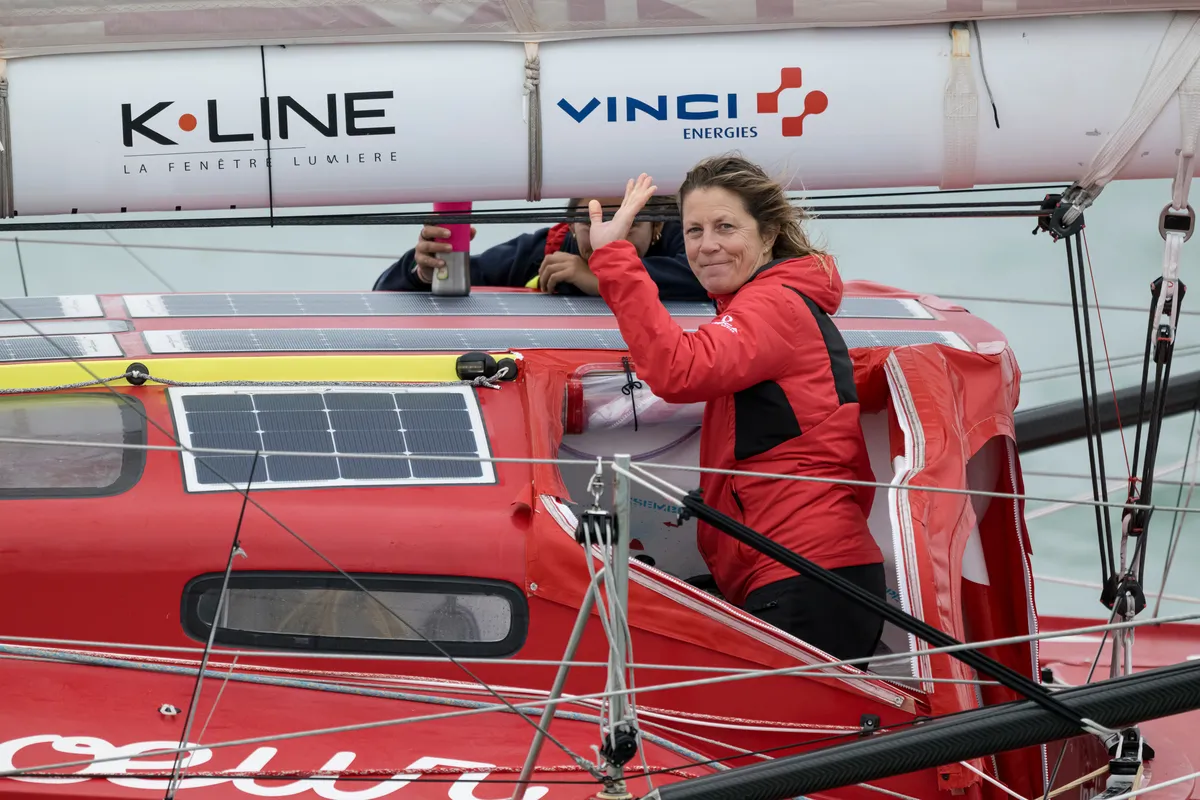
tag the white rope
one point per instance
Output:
(1177, 53)
(533, 118)
(888, 792)
(992, 781)
(960, 112)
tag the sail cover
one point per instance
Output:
(33, 27)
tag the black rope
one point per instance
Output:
(21, 268)
(547, 216)
(1091, 419)
(628, 388)
(266, 100)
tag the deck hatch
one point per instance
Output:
(326, 612)
(322, 428)
(376, 304)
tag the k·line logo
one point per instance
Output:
(347, 112)
(721, 113)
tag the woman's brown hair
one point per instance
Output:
(763, 198)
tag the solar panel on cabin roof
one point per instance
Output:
(268, 340)
(401, 422)
(58, 348)
(378, 340)
(419, 304)
(60, 307)
(56, 327)
(882, 308)
(403, 304)
(855, 339)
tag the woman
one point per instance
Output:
(779, 389)
(550, 260)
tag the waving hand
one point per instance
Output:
(637, 193)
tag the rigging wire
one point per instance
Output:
(1176, 520)
(234, 549)
(1032, 498)
(847, 212)
(1082, 238)
(80, 646)
(472, 711)
(177, 448)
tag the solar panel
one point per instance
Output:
(327, 425)
(369, 304)
(379, 340)
(57, 327)
(882, 308)
(59, 307)
(58, 348)
(270, 340)
(856, 339)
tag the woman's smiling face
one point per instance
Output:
(724, 244)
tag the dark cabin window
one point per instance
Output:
(42, 471)
(323, 611)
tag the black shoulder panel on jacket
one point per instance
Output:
(839, 354)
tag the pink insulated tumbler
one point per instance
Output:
(454, 279)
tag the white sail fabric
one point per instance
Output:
(33, 27)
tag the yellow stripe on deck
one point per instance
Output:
(316, 369)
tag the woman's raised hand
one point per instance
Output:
(637, 193)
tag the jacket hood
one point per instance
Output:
(816, 277)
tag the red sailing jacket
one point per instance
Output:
(778, 384)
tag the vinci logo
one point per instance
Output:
(696, 107)
(268, 123)
(814, 102)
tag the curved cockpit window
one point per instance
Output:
(326, 612)
(70, 470)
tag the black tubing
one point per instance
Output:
(971, 734)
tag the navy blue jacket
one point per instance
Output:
(516, 262)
